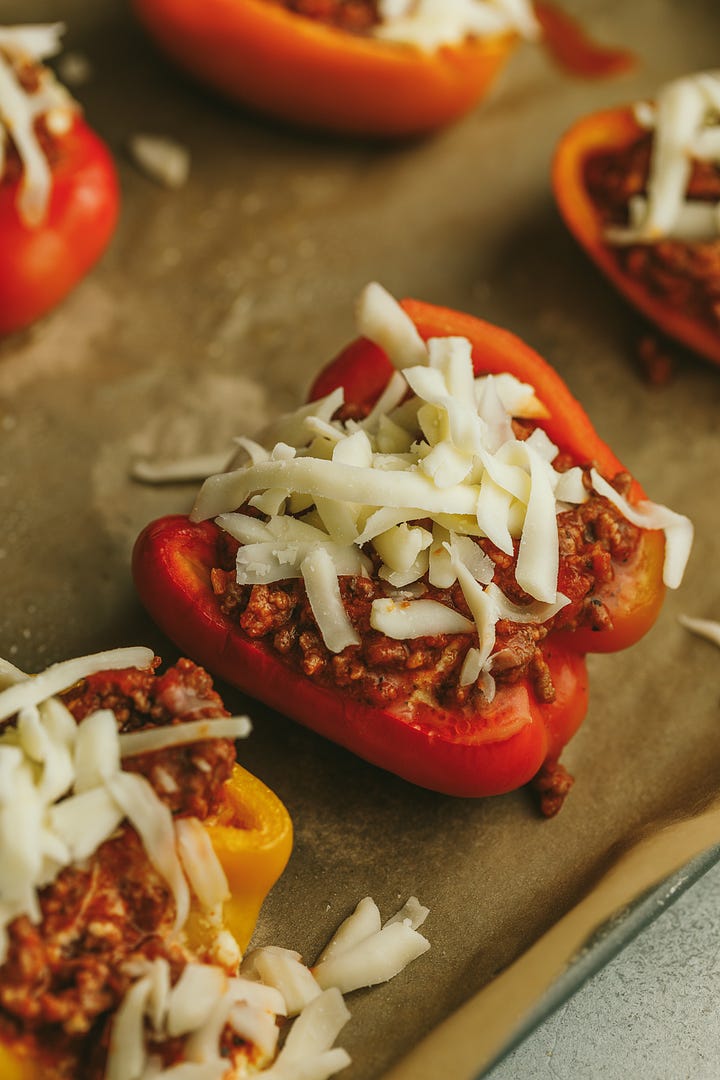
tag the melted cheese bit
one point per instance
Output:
(416, 618)
(686, 122)
(445, 451)
(63, 791)
(199, 860)
(20, 109)
(308, 1053)
(430, 24)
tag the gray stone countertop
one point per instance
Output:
(652, 1012)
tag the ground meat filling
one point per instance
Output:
(64, 976)
(352, 16)
(594, 541)
(684, 275)
(189, 779)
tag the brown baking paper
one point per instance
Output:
(212, 311)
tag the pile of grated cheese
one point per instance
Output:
(272, 983)
(685, 120)
(430, 24)
(20, 109)
(64, 792)
(438, 447)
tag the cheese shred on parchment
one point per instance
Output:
(434, 464)
(271, 983)
(21, 109)
(706, 628)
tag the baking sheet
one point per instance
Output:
(211, 312)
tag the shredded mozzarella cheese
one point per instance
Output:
(447, 452)
(430, 24)
(20, 109)
(686, 124)
(647, 515)
(161, 158)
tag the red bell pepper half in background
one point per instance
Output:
(471, 749)
(312, 70)
(603, 163)
(59, 195)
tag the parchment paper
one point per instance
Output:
(212, 311)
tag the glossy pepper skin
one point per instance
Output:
(602, 132)
(434, 748)
(455, 752)
(297, 69)
(40, 265)
(252, 837)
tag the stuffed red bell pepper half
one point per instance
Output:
(415, 563)
(59, 194)
(639, 187)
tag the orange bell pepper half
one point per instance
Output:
(602, 132)
(299, 69)
(295, 68)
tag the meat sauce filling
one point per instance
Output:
(684, 275)
(352, 16)
(594, 539)
(65, 976)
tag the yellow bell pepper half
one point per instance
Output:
(252, 837)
